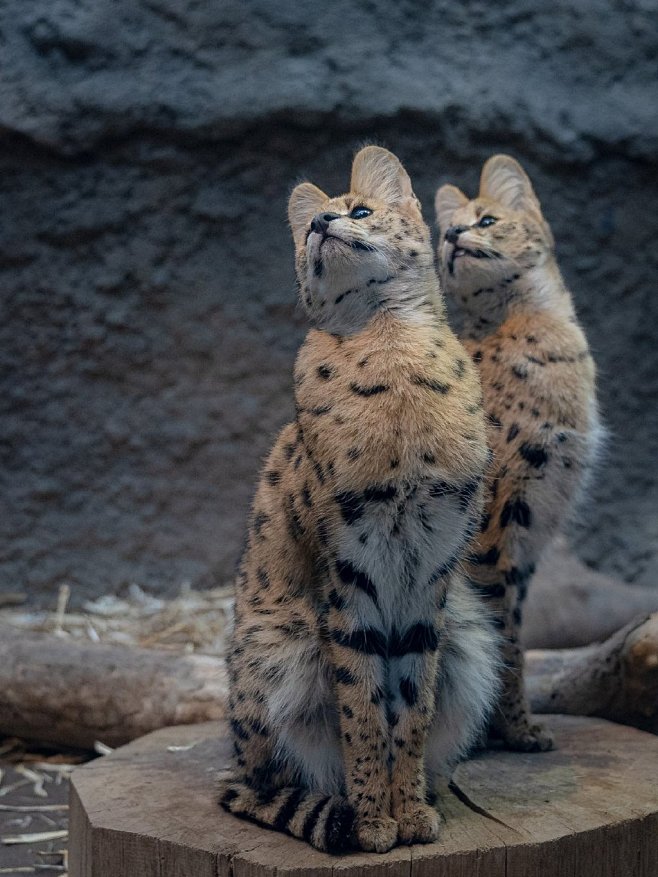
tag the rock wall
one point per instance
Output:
(149, 325)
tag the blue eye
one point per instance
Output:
(360, 213)
(486, 221)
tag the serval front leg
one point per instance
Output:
(358, 652)
(414, 663)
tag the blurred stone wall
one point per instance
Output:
(148, 327)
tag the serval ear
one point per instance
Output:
(504, 180)
(305, 201)
(447, 200)
(377, 173)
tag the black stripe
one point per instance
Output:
(431, 384)
(409, 691)
(489, 558)
(312, 818)
(516, 510)
(349, 575)
(418, 638)
(489, 592)
(229, 795)
(339, 827)
(368, 641)
(288, 810)
(369, 391)
(375, 493)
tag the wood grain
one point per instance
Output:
(588, 809)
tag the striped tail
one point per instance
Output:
(324, 821)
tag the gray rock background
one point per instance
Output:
(148, 320)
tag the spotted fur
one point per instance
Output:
(359, 656)
(497, 260)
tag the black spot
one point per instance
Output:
(260, 519)
(513, 432)
(317, 268)
(319, 410)
(343, 295)
(289, 450)
(459, 368)
(347, 711)
(345, 676)
(369, 391)
(336, 600)
(535, 455)
(347, 737)
(409, 691)
(494, 421)
(395, 463)
(366, 640)
(516, 615)
(484, 522)
(520, 371)
(294, 523)
(239, 730)
(353, 454)
(306, 496)
(517, 511)
(274, 477)
(349, 575)
(418, 638)
(531, 339)
(263, 578)
(431, 384)
(477, 357)
(429, 458)
(326, 372)
(377, 696)
(319, 471)
(351, 506)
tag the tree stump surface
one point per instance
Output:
(587, 809)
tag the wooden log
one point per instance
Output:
(73, 694)
(571, 605)
(588, 809)
(616, 679)
(66, 692)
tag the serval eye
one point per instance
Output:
(487, 220)
(360, 213)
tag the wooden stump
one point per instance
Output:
(588, 809)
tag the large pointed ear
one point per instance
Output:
(504, 180)
(305, 201)
(377, 173)
(448, 199)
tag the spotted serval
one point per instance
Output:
(361, 663)
(497, 259)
